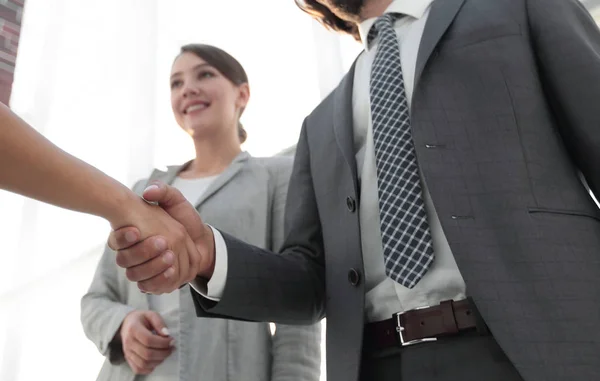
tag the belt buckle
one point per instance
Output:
(400, 328)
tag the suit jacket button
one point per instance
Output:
(351, 204)
(354, 277)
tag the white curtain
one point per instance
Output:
(92, 76)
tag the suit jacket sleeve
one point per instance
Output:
(566, 42)
(103, 307)
(296, 349)
(264, 286)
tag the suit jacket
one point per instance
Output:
(248, 201)
(506, 126)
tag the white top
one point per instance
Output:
(384, 297)
(193, 189)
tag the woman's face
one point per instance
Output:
(203, 100)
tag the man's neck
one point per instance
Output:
(374, 8)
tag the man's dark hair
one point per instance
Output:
(322, 14)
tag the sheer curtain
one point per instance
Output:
(93, 77)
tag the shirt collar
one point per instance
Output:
(412, 8)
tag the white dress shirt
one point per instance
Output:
(384, 297)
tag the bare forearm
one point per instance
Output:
(32, 166)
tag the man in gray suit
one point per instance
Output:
(439, 211)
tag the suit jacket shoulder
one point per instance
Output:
(279, 168)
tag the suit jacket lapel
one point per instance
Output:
(440, 17)
(169, 176)
(225, 177)
(342, 121)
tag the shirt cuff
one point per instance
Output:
(213, 289)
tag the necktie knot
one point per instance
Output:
(383, 23)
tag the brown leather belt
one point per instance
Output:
(422, 325)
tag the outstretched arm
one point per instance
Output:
(32, 166)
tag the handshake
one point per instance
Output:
(165, 244)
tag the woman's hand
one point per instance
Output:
(145, 340)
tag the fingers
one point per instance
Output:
(123, 238)
(143, 349)
(162, 283)
(158, 342)
(154, 322)
(150, 355)
(160, 265)
(139, 365)
(141, 252)
(177, 206)
(165, 195)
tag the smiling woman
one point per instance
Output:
(205, 83)
(233, 191)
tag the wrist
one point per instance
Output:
(206, 250)
(126, 211)
(124, 323)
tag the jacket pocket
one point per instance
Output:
(566, 212)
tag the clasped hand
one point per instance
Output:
(164, 246)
